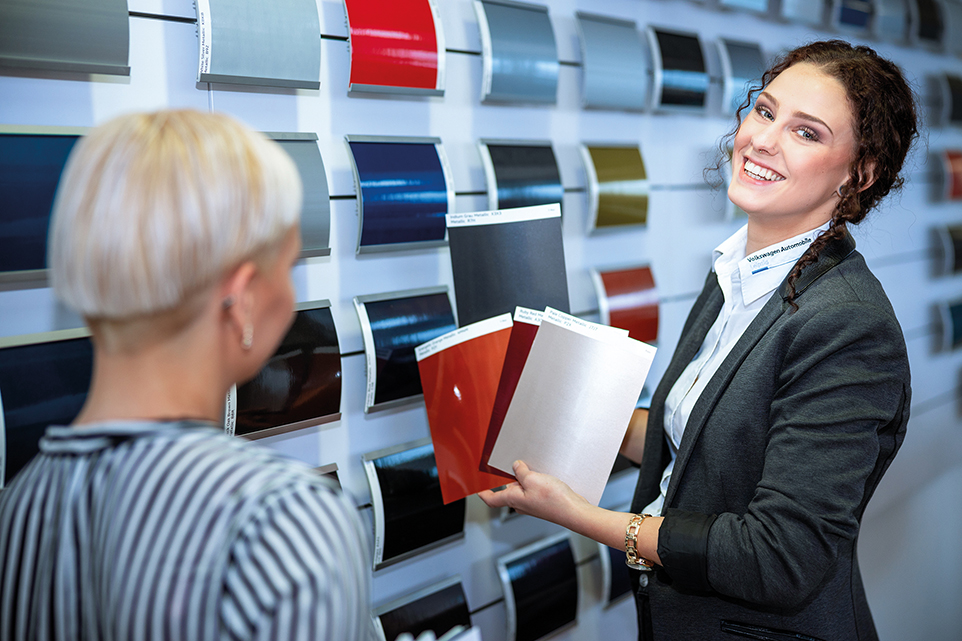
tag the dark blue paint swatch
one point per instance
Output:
(398, 326)
(855, 13)
(545, 587)
(414, 512)
(30, 168)
(404, 193)
(40, 385)
(526, 175)
(300, 382)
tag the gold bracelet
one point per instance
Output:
(632, 559)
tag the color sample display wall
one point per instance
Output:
(544, 96)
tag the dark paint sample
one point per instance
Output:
(403, 192)
(439, 611)
(525, 175)
(684, 77)
(545, 587)
(930, 25)
(301, 381)
(502, 266)
(954, 84)
(855, 13)
(414, 513)
(398, 326)
(40, 385)
(30, 168)
(620, 583)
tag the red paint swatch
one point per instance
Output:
(953, 174)
(459, 375)
(394, 43)
(522, 336)
(631, 301)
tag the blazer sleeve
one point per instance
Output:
(836, 420)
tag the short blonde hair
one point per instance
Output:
(154, 207)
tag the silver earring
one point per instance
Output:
(247, 338)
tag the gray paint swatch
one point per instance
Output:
(743, 64)
(615, 63)
(520, 57)
(892, 20)
(65, 35)
(274, 43)
(316, 210)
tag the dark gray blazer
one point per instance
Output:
(781, 454)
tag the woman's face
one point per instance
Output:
(793, 151)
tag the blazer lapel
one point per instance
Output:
(830, 257)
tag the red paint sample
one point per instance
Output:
(393, 43)
(953, 174)
(632, 302)
(460, 383)
(522, 336)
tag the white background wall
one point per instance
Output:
(910, 549)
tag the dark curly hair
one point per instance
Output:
(885, 123)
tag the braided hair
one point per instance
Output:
(885, 125)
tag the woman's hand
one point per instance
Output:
(540, 495)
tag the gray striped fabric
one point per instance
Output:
(176, 531)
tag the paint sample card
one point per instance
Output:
(30, 169)
(520, 174)
(891, 20)
(409, 514)
(44, 380)
(523, 331)
(952, 174)
(627, 298)
(518, 54)
(403, 192)
(505, 259)
(439, 608)
(252, 42)
(681, 76)
(396, 46)
(540, 586)
(460, 372)
(579, 387)
(300, 385)
(316, 209)
(616, 65)
(65, 35)
(742, 65)
(392, 326)
(617, 186)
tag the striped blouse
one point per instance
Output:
(128, 531)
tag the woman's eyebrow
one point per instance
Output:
(798, 114)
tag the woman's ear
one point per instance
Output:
(867, 175)
(236, 297)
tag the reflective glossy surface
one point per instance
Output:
(460, 384)
(523, 62)
(930, 25)
(545, 588)
(525, 175)
(954, 84)
(439, 611)
(300, 382)
(415, 515)
(316, 210)
(393, 43)
(40, 385)
(952, 162)
(399, 325)
(621, 186)
(855, 14)
(632, 302)
(747, 66)
(615, 64)
(403, 192)
(30, 168)
(684, 81)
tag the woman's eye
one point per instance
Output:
(763, 111)
(808, 134)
